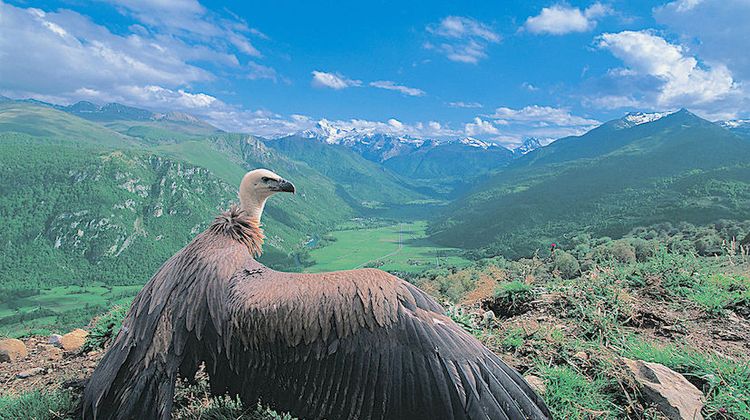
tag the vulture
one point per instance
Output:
(360, 344)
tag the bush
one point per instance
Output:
(104, 328)
(566, 264)
(511, 298)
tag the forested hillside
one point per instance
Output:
(606, 182)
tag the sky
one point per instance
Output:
(495, 70)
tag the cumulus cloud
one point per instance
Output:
(683, 81)
(389, 85)
(336, 81)
(74, 58)
(562, 19)
(722, 34)
(480, 127)
(462, 39)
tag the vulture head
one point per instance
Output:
(256, 187)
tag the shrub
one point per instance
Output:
(105, 328)
(566, 264)
(511, 298)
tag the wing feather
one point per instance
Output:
(365, 345)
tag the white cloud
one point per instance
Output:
(716, 31)
(463, 27)
(334, 81)
(190, 20)
(74, 58)
(480, 127)
(389, 85)
(258, 71)
(462, 39)
(561, 19)
(540, 116)
(528, 86)
(461, 104)
(683, 80)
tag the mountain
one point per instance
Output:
(422, 159)
(369, 143)
(529, 144)
(460, 160)
(153, 127)
(363, 183)
(739, 127)
(626, 173)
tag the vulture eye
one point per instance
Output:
(265, 179)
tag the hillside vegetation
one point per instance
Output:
(604, 183)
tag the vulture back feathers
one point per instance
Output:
(359, 344)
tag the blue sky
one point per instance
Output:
(494, 70)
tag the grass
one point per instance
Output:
(74, 305)
(38, 405)
(401, 248)
(571, 395)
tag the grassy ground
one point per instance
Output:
(58, 308)
(400, 247)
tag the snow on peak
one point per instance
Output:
(471, 141)
(638, 118)
(734, 123)
(529, 144)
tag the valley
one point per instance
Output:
(649, 208)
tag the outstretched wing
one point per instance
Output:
(361, 345)
(173, 325)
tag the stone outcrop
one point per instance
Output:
(669, 391)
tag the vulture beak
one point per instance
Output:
(284, 186)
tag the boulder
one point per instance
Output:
(55, 340)
(73, 340)
(12, 349)
(669, 391)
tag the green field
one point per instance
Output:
(58, 309)
(400, 247)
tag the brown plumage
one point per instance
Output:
(359, 344)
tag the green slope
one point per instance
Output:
(678, 168)
(43, 121)
(362, 183)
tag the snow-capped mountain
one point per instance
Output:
(529, 144)
(472, 142)
(739, 127)
(638, 118)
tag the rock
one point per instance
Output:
(672, 394)
(488, 317)
(52, 353)
(12, 349)
(55, 340)
(73, 340)
(536, 383)
(30, 372)
(581, 355)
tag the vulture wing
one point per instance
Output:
(173, 324)
(360, 345)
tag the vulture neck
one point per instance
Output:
(252, 205)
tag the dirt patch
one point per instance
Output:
(49, 369)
